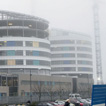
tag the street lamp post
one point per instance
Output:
(30, 87)
(88, 86)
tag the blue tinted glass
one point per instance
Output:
(36, 62)
(35, 53)
(10, 43)
(38, 82)
(53, 83)
(66, 55)
(45, 82)
(66, 62)
(11, 53)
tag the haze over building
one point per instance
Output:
(71, 54)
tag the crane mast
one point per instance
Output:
(97, 44)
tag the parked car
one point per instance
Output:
(71, 104)
(85, 102)
(60, 102)
(75, 96)
(54, 103)
(89, 100)
(44, 104)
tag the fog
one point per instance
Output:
(75, 15)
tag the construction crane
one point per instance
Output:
(97, 43)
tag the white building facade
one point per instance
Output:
(24, 44)
(71, 54)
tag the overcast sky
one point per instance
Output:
(74, 15)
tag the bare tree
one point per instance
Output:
(38, 89)
(50, 90)
(60, 90)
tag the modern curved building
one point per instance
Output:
(71, 54)
(24, 44)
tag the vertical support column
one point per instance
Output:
(30, 87)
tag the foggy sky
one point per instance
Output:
(75, 15)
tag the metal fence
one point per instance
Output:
(24, 99)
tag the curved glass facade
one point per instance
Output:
(71, 53)
(24, 43)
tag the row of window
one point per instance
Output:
(67, 55)
(83, 42)
(84, 55)
(84, 62)
(26, 23)
(27, 43)
(38, 62)
(63, 62)
(45, 83)
(71, 62)
(22, 70)
(71, 69)
(63, 42)
(28, 62)
(20, 53)
(71, 42)
(37, 44)
(63, 55)
(8, 81)
(11, 53)
(63, 49)
(71, 49)
(37, 53)
(84, 49)
(64, 69)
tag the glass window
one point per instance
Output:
(84, 55)
(2, 53)
(3, 43)
(35, 53)
(29, 62)
(15, 81)
(53, 83)
(44, 45)
(28, 53)
(2, 62)
(83, 42)
(19, 53)
(63, 42)
(4, 81)
(84, 62)
(19, 62)
(29, 43)
(9, 81)
(3, 94)
(84, 69)
(10, 43)
(18, 43)
(35, 62)
(69, 62)
(10, 53)
(64, 69)
(45, 83)
(35, 44)
(11, 62)
(84, 49)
